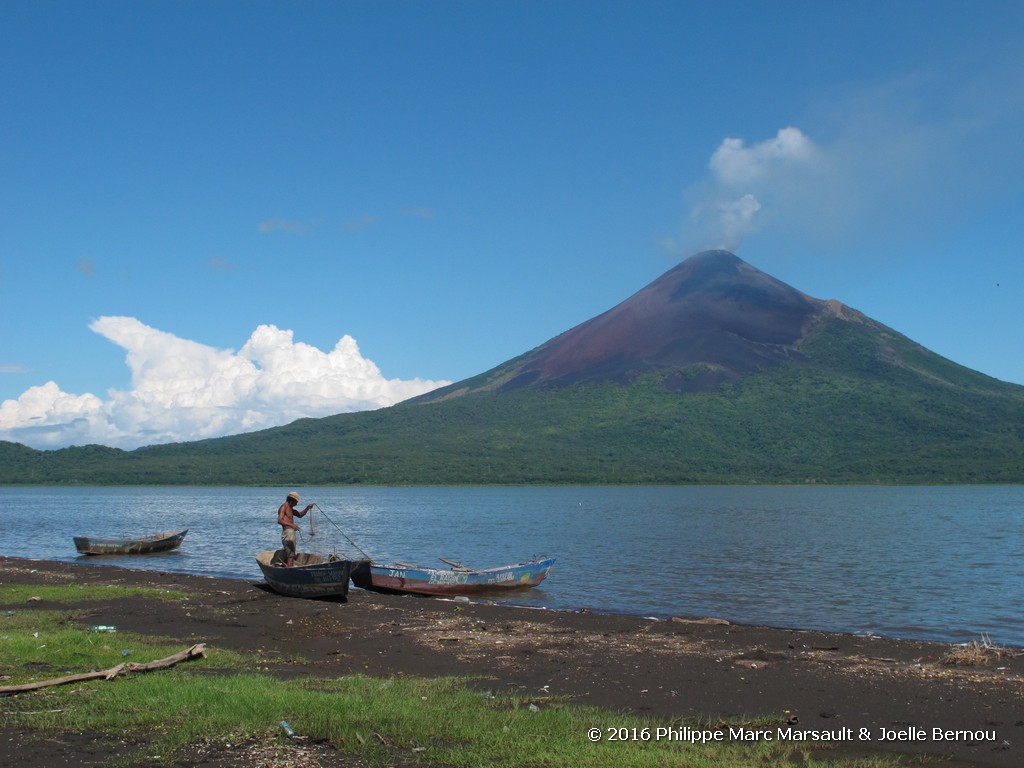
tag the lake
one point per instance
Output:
(932, 563)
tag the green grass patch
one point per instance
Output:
(380, 721)
(42, 645)
(75, 593)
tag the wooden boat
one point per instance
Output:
(459, 580)
(311, 576)
(158, 542)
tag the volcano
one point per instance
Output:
(710, 319)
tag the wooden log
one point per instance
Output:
(104, 674)
(196, 651)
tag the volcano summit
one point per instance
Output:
(712, 318)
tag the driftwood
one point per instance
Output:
(195, 652)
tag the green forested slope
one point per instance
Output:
(867, 406)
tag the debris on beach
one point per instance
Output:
(709, 620)
(288, 730)
(977, 653)
(265, 754)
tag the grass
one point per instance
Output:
(75, 593)
(38, 644)
(220, 702)
(434, 722)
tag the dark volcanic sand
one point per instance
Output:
(669, 669)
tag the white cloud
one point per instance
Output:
(183, 390)
(894, 163)
(736, 218)
(51, 418)
(751, 184)
(734, 164)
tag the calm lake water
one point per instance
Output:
(944, 563)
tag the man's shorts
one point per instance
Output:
(288, 541)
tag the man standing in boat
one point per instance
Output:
(286, 515)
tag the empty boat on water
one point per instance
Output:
(142, 545)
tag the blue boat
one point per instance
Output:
(311, 576)
(458, 580)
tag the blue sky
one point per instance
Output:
(220, 216)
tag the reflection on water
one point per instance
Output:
(932, 563)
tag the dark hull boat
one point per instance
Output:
(311, 576)
(459, 580)
(158, 542)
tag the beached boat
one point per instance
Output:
(458, 580)
(158, 542)
(311, 576)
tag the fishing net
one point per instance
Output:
(322, 536)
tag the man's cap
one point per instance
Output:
(294, 495)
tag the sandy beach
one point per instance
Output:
(865, 693)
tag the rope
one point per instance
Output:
(345, 535)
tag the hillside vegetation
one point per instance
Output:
(867, 406)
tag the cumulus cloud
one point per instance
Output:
(183, 390)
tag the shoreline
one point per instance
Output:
(763, 556)
(110, 562)
(681, 671)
